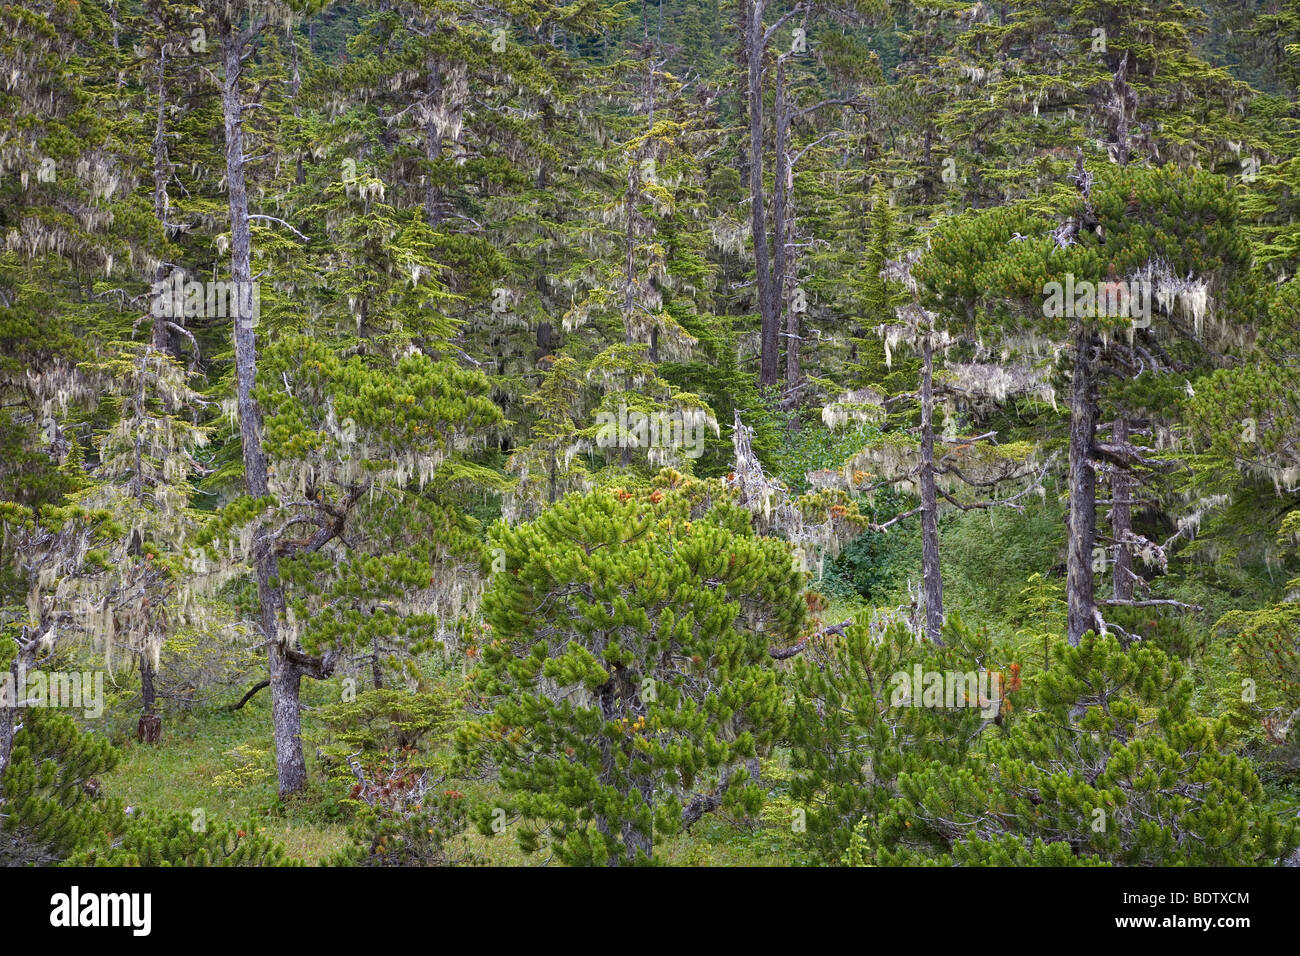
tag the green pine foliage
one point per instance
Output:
(47, 791)
(1097, 760)
(627, 669)
(484, 513)
(181, 839)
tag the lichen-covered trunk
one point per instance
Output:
(291, 765)
(6, 739)
(781, 184)
(8, 715)
(930, 570)
(433, 143)
(376, 664)
(1121, 519)
(768, 306)
(161, 335)
(12, 693)
(148, 692)
(286, 719)
(1080, 598)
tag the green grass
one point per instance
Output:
(222, 763)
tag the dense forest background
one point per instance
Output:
(444, 431)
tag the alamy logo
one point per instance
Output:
(1083, 299)
(629, 428)
(69, 690)
(73, 909)
(948, 690)
(179, 298)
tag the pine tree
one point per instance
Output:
(181, 839)
(146, 460)
(1172, 251)
(48, 807)
(1017, 778)
(56, 551)
(628, 667)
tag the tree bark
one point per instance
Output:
(930, 570)
(635, 840)
(6, 737)
(768, 307)
(148, 693)
(284, 674)
(1080, 598)
(782, 182)
(161, 334)
(376, 665)
(616, 699)
(1121, 519)
(545, 340)
(11, 709)
(8, 714)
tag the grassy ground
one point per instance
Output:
(222, 763)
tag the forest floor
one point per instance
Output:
(221, 763)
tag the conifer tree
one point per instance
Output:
(628, 669)
(1171, 252)
(56, 550)
(48, 807)
(962, 462)
(1015, 777)
(146, 460)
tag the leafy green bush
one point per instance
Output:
(876, 564)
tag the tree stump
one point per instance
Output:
(149, 729)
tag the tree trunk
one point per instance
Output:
(149, 729)
(782, 183)
(433, 144)
(148, 693)
(930, 570)
(1080, 598)
(295, 88)
(636, 841)
(616, 700)
(8, 713)
(741, 104)
(285, 677)
(768, 307)
(161, 334)
(1121, 518)
(12, 695)
(629, 249)
(376, 665)
(286, 719)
